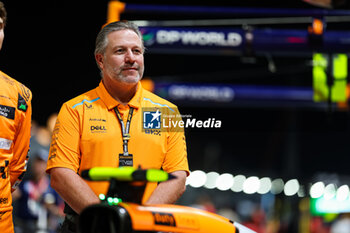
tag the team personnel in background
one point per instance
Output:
(15, 123)
(38, 207)
(102, 127)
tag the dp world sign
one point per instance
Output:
(184, 37)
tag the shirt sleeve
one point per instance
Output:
(64, 148)
(18, 164)
(176, 156)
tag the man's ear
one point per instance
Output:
(99, 60)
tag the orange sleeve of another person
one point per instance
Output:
(18, 164)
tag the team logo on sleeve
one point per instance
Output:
(152, 119)
(22, 104)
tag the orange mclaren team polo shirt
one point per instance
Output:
(88, 134)
(15, 124)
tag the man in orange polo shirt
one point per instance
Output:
(15, 123)
(106, 127)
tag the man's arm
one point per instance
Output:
(21, 143)
(72, 188)
(169, 191)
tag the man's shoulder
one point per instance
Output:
(152, 99)
(16, 87)
(82, 98)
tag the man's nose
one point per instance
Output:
(130, 56)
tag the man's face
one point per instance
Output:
(123, 58)
(2, 35)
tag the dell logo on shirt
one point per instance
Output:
(95, 128)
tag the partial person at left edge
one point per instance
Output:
(15, 124)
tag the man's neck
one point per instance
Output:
(122, 92)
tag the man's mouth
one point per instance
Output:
(130, 68)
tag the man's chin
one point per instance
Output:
(130, 80)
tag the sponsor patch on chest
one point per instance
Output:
(98, 128)
(7, 111)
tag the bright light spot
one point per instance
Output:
(110, 200)
(265, 185)
(291, 187)
(197, 179)
(329, 191)
(251, 185)
(317, 190)
(211, 180)
(224, 182)
(102, 197)
(122, 210)
(238, 183)
(277, 186)
(343, 193)
(332, 206)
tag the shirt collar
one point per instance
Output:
(111, 103)
(135, 102)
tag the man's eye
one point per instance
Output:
(137, 51)
(119, 51)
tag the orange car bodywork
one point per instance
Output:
(173, 218)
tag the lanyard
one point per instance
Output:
(125, 130)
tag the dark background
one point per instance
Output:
(49, 47)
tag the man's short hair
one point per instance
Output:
(102, 40)
(3, 13)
